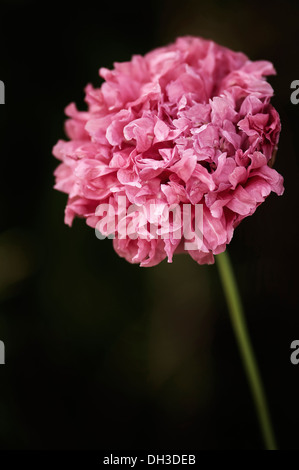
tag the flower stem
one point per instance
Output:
(239, 325)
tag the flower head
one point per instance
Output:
(188, 124)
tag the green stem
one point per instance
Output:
(239, 324)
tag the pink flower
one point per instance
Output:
(190, 123)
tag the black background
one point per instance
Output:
(102, 354)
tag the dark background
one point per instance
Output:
(103, 354)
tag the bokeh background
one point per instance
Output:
(101, 354)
